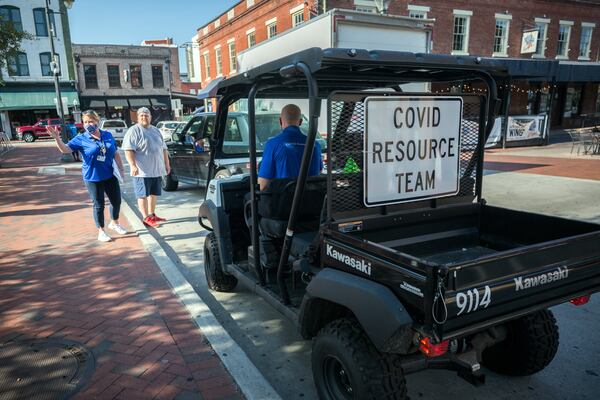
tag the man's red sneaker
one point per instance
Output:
(149, 221)
(157, 218)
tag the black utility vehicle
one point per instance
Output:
(190, 149)
(392, 262)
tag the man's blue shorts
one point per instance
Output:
(145, 187)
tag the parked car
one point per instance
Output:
(30, 133)
(117, 127)
(167, 128)
(178, 129)
(190, 148)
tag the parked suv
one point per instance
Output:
(30, 133)
(190, 148)
(117, 127)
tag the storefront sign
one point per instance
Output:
(529, 41)
(412, 148)
(526, 127)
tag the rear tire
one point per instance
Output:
(29, 137)
(169, 183)
(216, 279)
(530, 345)
(346, 365)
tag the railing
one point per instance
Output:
(5, 144)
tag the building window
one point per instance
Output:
(419, 12)
(91, 77)
(206, 65)
(219, 60)
(18, 65)
(249, 3)
(460, 33)
(135, 72)
(297, 18)
(232, 57)
(158, 80)
(205, 30)
(271, 30)
(114, 76)
(564, 34)
(45, 60)
(542, 27)
(10, 14)
(217, 23)
(230, 14)
(586, 40)
(251, 38)
(501, 35)
(39, 17)
(598, 100)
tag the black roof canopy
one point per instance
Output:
(354, 69)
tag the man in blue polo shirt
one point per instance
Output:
(282, 155)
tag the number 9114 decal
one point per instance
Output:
(473, 300)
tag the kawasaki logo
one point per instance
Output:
(542, 279)
(359, 265)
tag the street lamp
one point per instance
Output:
(56, 72)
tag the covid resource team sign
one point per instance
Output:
(412, 148)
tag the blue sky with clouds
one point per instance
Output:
(131, 21)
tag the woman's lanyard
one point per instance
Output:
(100, 143)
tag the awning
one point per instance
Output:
(531, 69)
(211, 89)
(571, 71)
(160, 102)
(121, 103)
(139, 102)
(31, 98)
(94, 104)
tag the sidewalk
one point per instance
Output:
(58, 281)
(553, 160)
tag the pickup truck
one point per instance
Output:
(30, 133)
(393, 262)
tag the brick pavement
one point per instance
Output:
(554, 166)
(58, 281)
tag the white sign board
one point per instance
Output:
(526, 127)
(529, 41)
(412, 148)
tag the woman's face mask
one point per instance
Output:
(91, 127)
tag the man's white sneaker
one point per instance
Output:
(117, 228)
(103, 237)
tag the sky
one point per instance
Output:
(132, 21)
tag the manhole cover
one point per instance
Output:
(42, 369)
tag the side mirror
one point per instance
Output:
(175, 137)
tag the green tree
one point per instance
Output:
(10, 44)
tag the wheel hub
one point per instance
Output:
(337, 380)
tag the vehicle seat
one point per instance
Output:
(275, 204)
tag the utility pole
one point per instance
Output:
(54, 66)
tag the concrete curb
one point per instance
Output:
(251, 382)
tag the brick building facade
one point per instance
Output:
(568, 31)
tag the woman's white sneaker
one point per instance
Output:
(103, 237)
(117, 228)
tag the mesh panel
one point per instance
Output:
(345, 135)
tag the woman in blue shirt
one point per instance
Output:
(98, 149)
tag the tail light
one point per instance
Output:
(579, 301)
(433, 350)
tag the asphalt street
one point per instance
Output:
(273, 345)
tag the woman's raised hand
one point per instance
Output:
(53, 131)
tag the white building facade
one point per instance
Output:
(29, 93)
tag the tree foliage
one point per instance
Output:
(10, 43)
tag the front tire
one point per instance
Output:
(29, 137)
(169, 183)
(346, 365)
(216, 279)
(530, 345)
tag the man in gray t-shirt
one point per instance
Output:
(146, 153)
